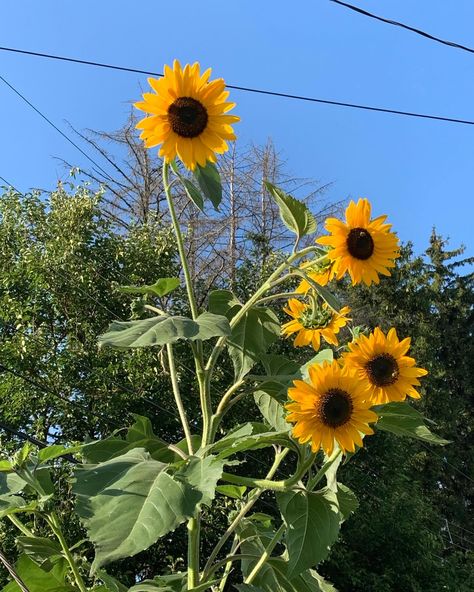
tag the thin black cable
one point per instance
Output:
(65, 136)
(403, 26)
(249, 89)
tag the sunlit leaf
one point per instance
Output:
(402, 419)
(209, 181)
(161, 330)
(294, 213)
(161, 287)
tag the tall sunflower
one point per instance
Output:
(382, 365)
(188, 115)
(311, 323)
(363, 247)
(331, 407)
(321, 273)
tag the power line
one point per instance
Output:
(249, 89)
(403, 26)
(54, 126)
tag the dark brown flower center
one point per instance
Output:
(188, 117)
(335, 407)
(382, 370)
(360, 244)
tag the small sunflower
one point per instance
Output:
(321, 273)
(312, 322)
(331, 407)
(381, 363)
(363, 247)
(188, 115)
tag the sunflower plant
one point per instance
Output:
(133, 488)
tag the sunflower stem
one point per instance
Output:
(265, 555)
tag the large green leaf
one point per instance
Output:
(161, 287)
(209, 181)
(251, 337)
(312, 520)
(129, 502)
(38, 579)
(294, 214)
(171, 583)
(162, 330)
(401, 419)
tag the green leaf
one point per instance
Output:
(162, 330)
(38, 579)
(325, 355)
(161, 287)
(273, 576)
(202, 474)
(191, 190)
(139, 435)
(248, 588)
(40, 549)
(209, 181)
(55, 451)
(221, 302)
(401, 419)
(312, 520)
(251, 338)
(11, 483)
(250, 436)
(325, 294)
(5, 466)
(272, 410)
(347, 501)
(233, 491)
(129, 502)
(294, 214)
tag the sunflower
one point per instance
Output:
(321, 273)
(312, 322)
(381, 364)
(188, 115)
(330, 407)
(363, 247)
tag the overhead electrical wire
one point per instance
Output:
(249, 89)
(403, 26)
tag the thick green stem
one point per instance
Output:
(193, 552)
(177, 398)
(53, 522)
(268, 483)
(265, 555)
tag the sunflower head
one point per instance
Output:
(311, 322)
(382, 364)
(330, 408)
(187, 115)
(321, 273)
(363, 247)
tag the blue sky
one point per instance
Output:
(418, 172)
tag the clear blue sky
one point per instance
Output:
(418, 172)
